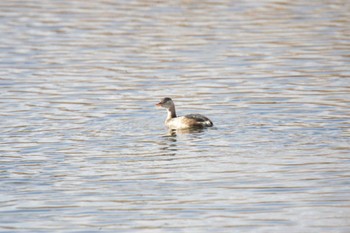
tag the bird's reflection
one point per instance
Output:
(168, 145)
(175, 132)
(169, 142)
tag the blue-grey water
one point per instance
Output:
(83, 148)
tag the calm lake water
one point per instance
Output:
(84, 149)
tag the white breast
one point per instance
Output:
(176, 123)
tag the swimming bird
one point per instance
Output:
(184, 122)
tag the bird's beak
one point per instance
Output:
(159, 104)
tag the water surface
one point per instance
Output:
(83, 148)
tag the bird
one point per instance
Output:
(184, 122)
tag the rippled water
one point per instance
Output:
(83, 148)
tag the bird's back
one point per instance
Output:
(199, 120)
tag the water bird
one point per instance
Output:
(184, 122)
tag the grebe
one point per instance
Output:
(184, 122)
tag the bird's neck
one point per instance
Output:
(171, 113)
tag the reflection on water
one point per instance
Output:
(82, 146)
(169, 144)
(174, 132)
